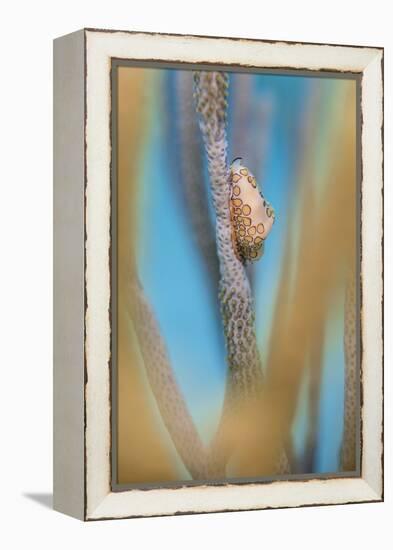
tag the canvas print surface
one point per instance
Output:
(235, 287)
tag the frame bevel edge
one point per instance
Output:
(235, 38)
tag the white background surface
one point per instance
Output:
(26, 274)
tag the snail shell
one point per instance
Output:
(252, 217)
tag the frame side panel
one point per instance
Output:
(68, 254)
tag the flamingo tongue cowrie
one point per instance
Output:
(252, 217)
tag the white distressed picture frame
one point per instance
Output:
(82, 334)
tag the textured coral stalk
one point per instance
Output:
(169, 399)
(348, 450)
(190, 160)
(245, 374)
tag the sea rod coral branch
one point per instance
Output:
(172, 406)
(244, 369)
(348, 448)
(192, 187)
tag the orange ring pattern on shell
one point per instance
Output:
(246, 231)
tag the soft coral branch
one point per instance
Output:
(244, 365)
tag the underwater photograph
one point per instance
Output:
(235, 275)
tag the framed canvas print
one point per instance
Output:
(218, 336)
